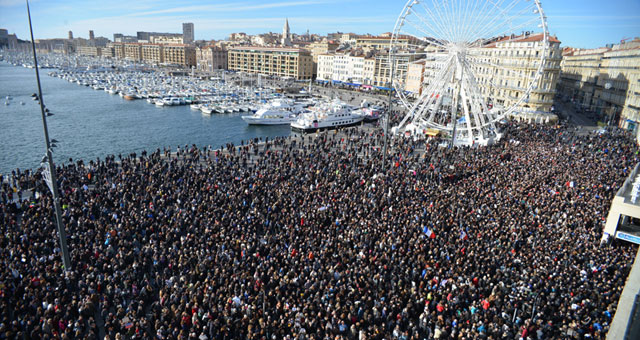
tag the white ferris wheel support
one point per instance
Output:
(454, 38)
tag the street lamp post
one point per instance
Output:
(50, 168)
(388, 116)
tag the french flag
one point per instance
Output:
(463, 236)
(429, 232)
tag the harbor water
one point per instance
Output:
(92, 124)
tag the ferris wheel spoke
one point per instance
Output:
(477, 15)
(480, 109)
(455, 20)
(445, 30)
(437, 29)
(484, 17)
(506, 27)
(418, 29)
(438, 16)
(468, 17)
(436, 43)
(420, 38)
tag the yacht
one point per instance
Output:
(327, 116)
(277, 112)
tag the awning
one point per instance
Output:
(352, 84)
(383, 88)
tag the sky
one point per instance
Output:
(577, 23)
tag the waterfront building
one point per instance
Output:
(325, 67)
(279, 61)
(346, 68)
(152, 53)
(179, 54)
(133, 51)
(210, 58)
(118, 49)
(70, 35)
(382, 72)
(188, 34)
(91, 51)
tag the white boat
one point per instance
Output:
(195, 106)
(159, 103)
(277, 112)
(206, 110)
(327, 116)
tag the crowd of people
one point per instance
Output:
(311, 238)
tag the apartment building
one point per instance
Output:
(579, 76)
(325, 67)
(278, 61)
(605, 81)
(152, 53)
(382, 71)
(118, 50)
(505, 68)
(93, 51)
(346, 68)
(179, 54)
(618, 88)
(133, 51)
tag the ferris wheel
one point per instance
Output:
(461, 45)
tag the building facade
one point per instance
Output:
(368, 43)
(382, 71)
(506, 67)
(605, 81)
(211, 58)
(179, 54)
(152, 53)
(325, 67)
(579, 76)
(415, 77)
(133, 51)
(188, 33)
(278, 61)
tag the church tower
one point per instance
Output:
(286, 34)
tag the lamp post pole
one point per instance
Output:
(51, 181)
(388, 116)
